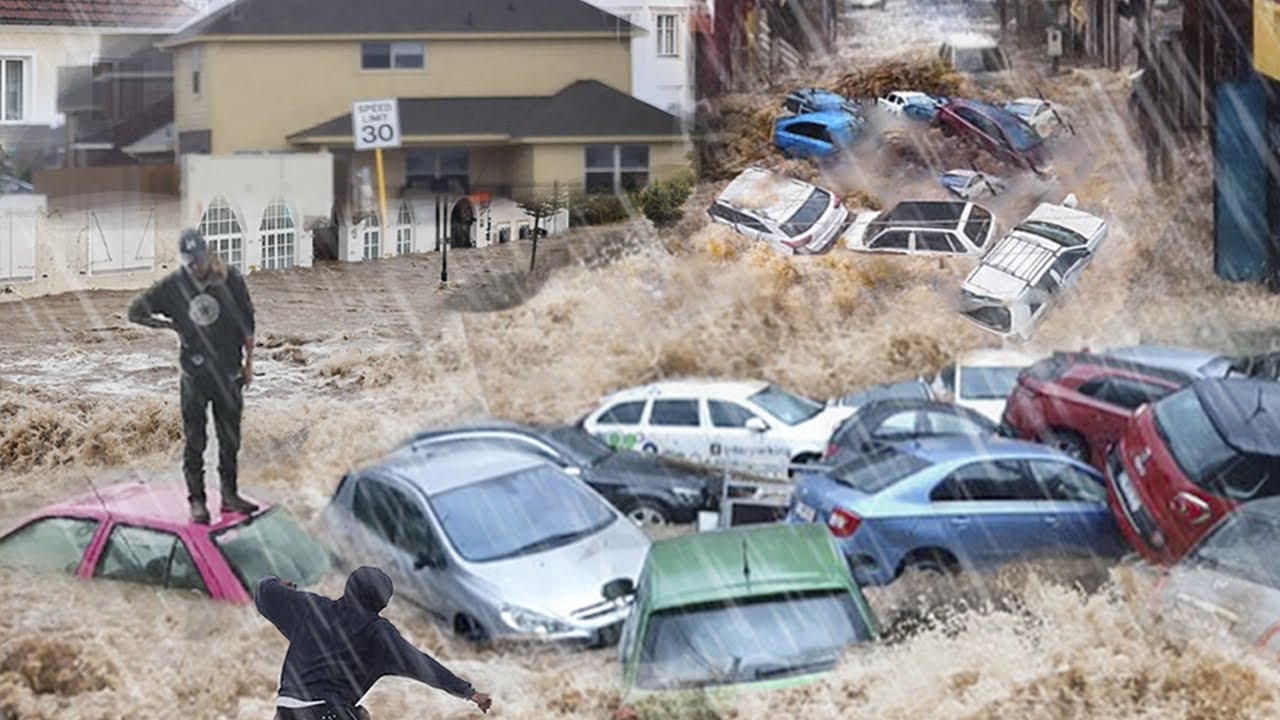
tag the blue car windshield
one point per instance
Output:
(1020, 134)
(518, 514)
(749, 639)
(878, 469)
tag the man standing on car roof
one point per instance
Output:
(207, 304)
(339, 648)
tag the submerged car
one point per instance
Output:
(811, 100)
(816, 135)
(981, 380)
(648, 489)
(1232, 574)
(947, 504)
(793, 216)
(141, 532)
(1021, 278)
(973, 53)
(755, 608)
(970, 184)
(999, 131)
(749, 425)
(923, 227)
(492, 543)
(916, 389)
(890, 421)
(915, 105)
(1040, 114)
(1192, 458)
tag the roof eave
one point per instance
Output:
(342, 37)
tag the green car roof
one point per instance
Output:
(708, 567)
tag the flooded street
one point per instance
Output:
(353, 357)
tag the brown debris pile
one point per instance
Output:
(931, 76)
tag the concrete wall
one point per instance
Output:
(662, 81)
(250, 183)
(268, 91)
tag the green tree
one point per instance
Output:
(540, 205)
(662, 201)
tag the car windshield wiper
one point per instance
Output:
(545, 543)
(764, 672)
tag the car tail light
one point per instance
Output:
(843, 523)
(799, 242)
(832, 449)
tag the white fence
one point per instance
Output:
(18, 233)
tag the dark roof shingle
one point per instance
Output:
(356, 17)
(587, 108)
(152, 14)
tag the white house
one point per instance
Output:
(662, 56)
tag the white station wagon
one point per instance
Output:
(747, 425)
(924, 227)
(791, 215)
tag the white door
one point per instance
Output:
(674, 427)
(17, 245)
(619, 425)
(730, 439)
(121, 240)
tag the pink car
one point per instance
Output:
(140, 532)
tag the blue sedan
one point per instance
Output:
(818, 134)
(952, 503)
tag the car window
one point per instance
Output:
(978, 225)
(55, 544)
(1244, 545)
(987, 480)
(727, 414)
(942, 423)
(1102, 389)
(1133, 394)
(982, 123)
(891, 239)
(878, 469)
(627, 413)
(394, 516)
(1065, 482)
(807, 129)
(936, 242)
(1062, 266)
(898, 425)
(1048, 284)
(810, 212)
(719, 211)
(146, 556)
(272, 544)
(674, 413)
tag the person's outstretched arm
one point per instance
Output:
(149, 303)
(244, 305)
(278, 602)
(402, 659)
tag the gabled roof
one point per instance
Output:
(586, 108)
(164, 15)
(403, 17)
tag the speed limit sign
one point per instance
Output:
(376, 124)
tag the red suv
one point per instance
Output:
(1002, 133)
(1080, 403)
(1186, 461)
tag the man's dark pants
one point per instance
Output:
(226, 395)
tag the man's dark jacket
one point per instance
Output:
(213, 318)
(339, 648)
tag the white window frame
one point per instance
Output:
(279, 237)
(404, 229)
(664, 29)
(28, 60)
(197, 68)
(224, 233)
(393, 46)
(371, 238)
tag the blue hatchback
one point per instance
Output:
(818, 134)
(952, 503)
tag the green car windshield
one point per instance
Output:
(272, 544)
(748, 640)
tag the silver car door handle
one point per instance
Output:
(1208, 607)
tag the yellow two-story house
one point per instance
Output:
(496, 96)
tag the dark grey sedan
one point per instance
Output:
(650, 490)
(888, 421)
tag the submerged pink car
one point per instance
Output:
(140, 532)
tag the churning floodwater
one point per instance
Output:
(352, 358)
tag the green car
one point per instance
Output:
(757, 607)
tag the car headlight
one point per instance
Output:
(687, 494)
(526, 620)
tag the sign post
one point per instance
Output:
(375, 125)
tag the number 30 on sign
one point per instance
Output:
(376, 124)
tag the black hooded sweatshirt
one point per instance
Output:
(339, 648)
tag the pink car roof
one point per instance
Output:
(150, 504)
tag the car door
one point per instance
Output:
(1077, 517)
(988, 510)
(936, 243)
(729, 441)
(393, 533)
(152, 557)
(619, 424)
(1068, 267)
(674, 427)
(891, 241)
(1100, 414)
(802, 139)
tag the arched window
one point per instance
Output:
(404, 230)
(221, 229)
(373, 237)
(279, 237)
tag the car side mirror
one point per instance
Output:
(755, 424)
(619, 588)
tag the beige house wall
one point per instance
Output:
(267, 91)
(190, 111)
(566, 164)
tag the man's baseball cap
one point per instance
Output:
(192, 247)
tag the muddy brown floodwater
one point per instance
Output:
(354, 357)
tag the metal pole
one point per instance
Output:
(444, 250)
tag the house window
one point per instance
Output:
(393, 56)
(616, 168)
(372, 237)
(221, 230)
(279, 237)
(666, 32)
(439, 169)
(404, 230)
(13, 87)
(195, 70)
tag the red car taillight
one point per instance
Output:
(799, 242)
(832, 449)
(843, 523)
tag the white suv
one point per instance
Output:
(1020, 278)
(789, 214)
(747, 425)
(927, 227)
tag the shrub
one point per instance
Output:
(596, 209)
(662, 201)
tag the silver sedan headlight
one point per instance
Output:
(529, 621)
